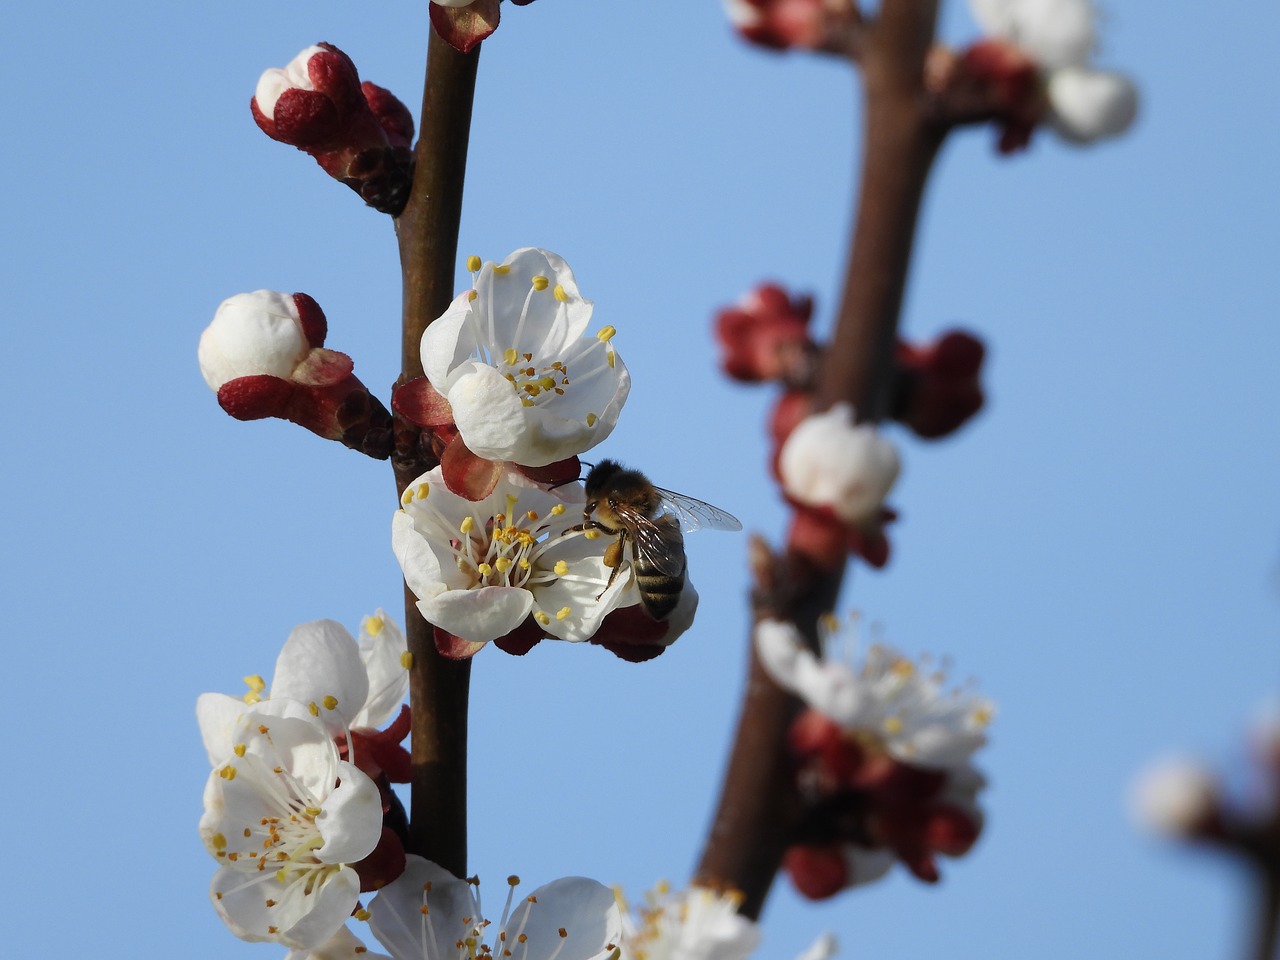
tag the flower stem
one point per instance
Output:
(428, 235)
(758, 807)
(1267, 919)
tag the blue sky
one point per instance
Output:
(1101, 549)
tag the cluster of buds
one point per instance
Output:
(495, 542)
(835, 472)
(828, 26)
(1183, 798)
(1033, 67)
(264, 356)
(464, 23)
(359, 133)
(882, 764)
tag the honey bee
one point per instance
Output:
(624, 503)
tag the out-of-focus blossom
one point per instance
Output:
(1179, 797)
(513, 370)
(825, 25)
(264, 356)
(428, 914)
(883, 763)
(693, 924)
(830, 461)
(481, 569)
(1082, 104)
(360, 134)
(698, 924)
(286, 818)
(766, 337)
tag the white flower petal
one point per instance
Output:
(218, 715)
(586, 910)
(825, 947)
(478, 615)
(396, 917)
(1175, 796)
(1088, 105)
(382, 651)
(320, 660)
(351, 818)
(343, 945)
(295, 918)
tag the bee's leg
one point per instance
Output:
(613, 560)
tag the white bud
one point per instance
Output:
(1175, 797)
(1087, 105)
(252, 333)
(830, 461)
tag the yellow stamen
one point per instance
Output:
(502, 269)
(591, 419)
(591, 534)
(510, 357)
(219, 841)
(541, 283)
(561, 568)
(362, 915)
(503, 564)
(606, 334)
(532, 515)
(484, 570)
(473, 263)
(612, 358)
(468, 524)
(560, 294)
(228, 772)
(472, 294)
(373, 625)
(239, 749)
(563, 612)
(542, 618)
(330, 702)
(406, 660)
(557, 510)
(314, 708)
(526, 402)
(256, 683)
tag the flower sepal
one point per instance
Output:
(463, 26)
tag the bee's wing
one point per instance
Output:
(697, 514)
(659, 542)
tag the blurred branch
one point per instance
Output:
(428, 235)
(758, 810)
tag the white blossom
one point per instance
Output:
(511, 356)
(253, 333)
(1175, 796)
(480, 568)
(1085, 104)
(428, 914)
(693, 924)
(828, 460)
(349, 685)
(698, 924)
(889, 699)
(285, 817)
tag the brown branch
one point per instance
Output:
(757, 811)
(428, 235)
